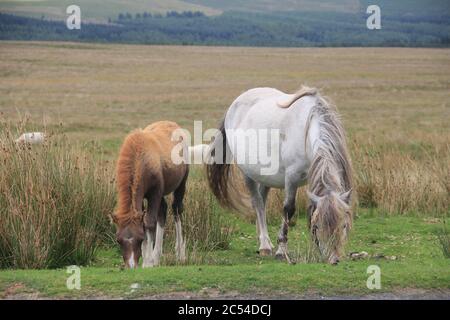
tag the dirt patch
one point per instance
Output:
(18, 291)
(401, 294)
(215, 294)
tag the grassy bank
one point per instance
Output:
(419, 263)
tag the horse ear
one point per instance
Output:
(346, 196)
(315, 199)
(112, 218)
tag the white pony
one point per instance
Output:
(311, 149)
(31, 138)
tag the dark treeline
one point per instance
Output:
(148, 15)
(292, 29)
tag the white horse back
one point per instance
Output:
(260, 109)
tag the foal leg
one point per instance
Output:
(265, 245)
(150, 230)
(160, 224)
(152, 222)
(288, 212)
(177, 207)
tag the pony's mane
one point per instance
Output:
(128, 175)
(331, 169)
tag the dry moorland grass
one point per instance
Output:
(394, 102)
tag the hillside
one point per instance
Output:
(101, 10)
(282, 23)
(98, 10)
(281, 5)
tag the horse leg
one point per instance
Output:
(177, 207)
(265, 245)
(150, 230)
(288, 212)
(264, 192)
(160, 224)
(154, 217)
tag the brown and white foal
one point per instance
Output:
(145, 170)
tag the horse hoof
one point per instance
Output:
(265, 252)
(280, 256)
(334, 262)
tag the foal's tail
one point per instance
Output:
(223, 175)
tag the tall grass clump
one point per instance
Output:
(444, 240)
(397, 181)
(53, 203)
(392, 178)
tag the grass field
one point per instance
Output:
(395, 108)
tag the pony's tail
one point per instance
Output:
(304, 91)
(223, 176)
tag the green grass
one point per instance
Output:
(444, 239)
(419, 263)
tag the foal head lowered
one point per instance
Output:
(130, 235)
(330, 220)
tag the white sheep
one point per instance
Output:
(31, 138)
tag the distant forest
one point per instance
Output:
(283, 29)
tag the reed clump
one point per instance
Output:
(54, 201)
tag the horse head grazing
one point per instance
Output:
(130, 235)
(330, 220)
(330, 183)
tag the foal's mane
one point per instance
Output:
(128, 175)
